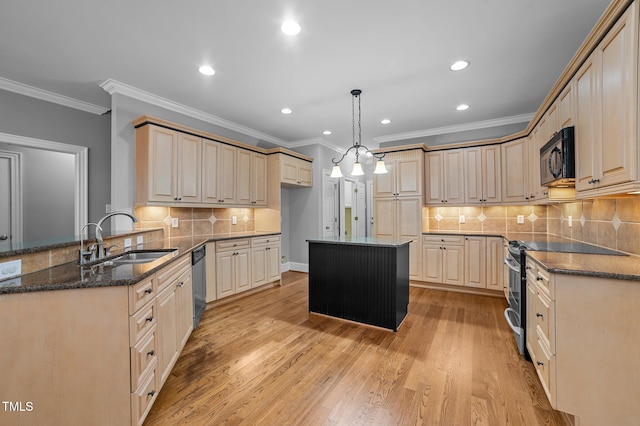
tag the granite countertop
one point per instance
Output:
(97, 274)
(626, 267)
(363, 241)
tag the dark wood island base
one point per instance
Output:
(364, 280)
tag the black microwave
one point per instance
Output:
(558, 160)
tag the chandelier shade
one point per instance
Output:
(357, 146)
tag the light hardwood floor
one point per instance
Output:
(264, 360)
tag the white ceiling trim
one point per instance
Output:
(457, 128)
(316, 141)
(45, 95)
(112, 86)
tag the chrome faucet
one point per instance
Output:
(89, 254)
(99, 241)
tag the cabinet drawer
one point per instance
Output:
(169, 274)
(544, 310)
(232, 244)
(144, 396)
(141, 322)
(446, 239)
(544, 364)
(143, 358)
(261, 241)
(140, 294)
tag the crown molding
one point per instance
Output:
(316, 141)
(457, 128)
(112, 86)
(45, 95)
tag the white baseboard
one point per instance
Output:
(284, 267)
(299, 267)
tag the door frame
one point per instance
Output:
(15, 193)
(81, 154)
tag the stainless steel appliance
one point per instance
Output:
(557, 160)
(515, 314)
(198, 273)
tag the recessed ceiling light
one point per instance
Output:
(462, 107)
(207, 70)
(385, 121)
(290, 28)
(326, 132)
(286, 110)
(459, 65)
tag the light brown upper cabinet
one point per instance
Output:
(251, 178)
(444, 177)
(483, 183)
(295, 172)
(219, 162)
(168, 168)
(606, 97)
(515, 174)
(405, 175)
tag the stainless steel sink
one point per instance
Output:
(141, 256)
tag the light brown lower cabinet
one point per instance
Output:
(443, 259)
(265, 260)
(93, 355)
(483, 262)
(582, 335)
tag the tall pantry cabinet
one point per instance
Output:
(397, 203)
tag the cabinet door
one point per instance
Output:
(453, 265)
(384, 217)
(259, 267)
(288, 170)
(434, 185)
(617, 146)
(163, 164)
(184, 297)
(409, 226)
(224, 274)
(432, 263)
(167, 330)
(259, 179)
(408, 165)
(473, 175)
(384, 185)
(242, 270)
(453, 162)
(243, 181)
(305, 173)
(475, 261)
(586, 129)
(210, 182)
(273, 263)
(227, 174)
(514, 171)
(491, 174)
(189, 168)
(565, 107)
(495, 263)
(212, 293)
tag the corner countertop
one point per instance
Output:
(72, 275)
(362, 241)
(625, 267)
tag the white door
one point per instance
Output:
(329, 205)
(369, 203)
(359, 212)
(5, 201)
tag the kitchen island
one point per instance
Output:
(360, 279)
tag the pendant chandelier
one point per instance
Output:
(357, 145)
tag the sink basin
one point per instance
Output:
(140, 257)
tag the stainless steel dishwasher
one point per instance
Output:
(198, 272)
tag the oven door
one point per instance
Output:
(514, 313)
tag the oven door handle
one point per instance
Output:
(514, 328)
(510, 265)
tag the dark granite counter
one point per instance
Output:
(626, 267)
(99, 274)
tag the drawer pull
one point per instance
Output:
(539, 278)
(540, 363)
(149, 319)
(149, 291)
(181, 283)
(151, 353)
(539, 315)
(151, 393)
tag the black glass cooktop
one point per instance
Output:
(568, 247)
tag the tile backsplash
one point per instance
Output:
(611, 223)
(195, 221)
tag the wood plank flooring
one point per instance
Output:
(264, 360)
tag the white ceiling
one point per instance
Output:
(398, 53)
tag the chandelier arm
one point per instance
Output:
(333, 160)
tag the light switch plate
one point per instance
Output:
(570, 221)
(127, 243)
(462, 219)
(234, 220)
(139, 239)
(520, 219)
(174, 222)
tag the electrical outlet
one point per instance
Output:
(175, 222)
(234, 220)
(139, 239)
(570, 221)
(461, 219)
(127, 243)
(10, 269)
(520, 219)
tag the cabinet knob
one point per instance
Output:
(148, 290)
(151, 393)
(539, 278)
(149, 319)
(539, 315)
(540, 363)
(151, 353)
(180, 284)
